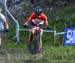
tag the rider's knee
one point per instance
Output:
(41, 35)
(41, 32)
(32, 31)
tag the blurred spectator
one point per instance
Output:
(9, 2)
(17, 1)
(32, 1)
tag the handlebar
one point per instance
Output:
(43, 27)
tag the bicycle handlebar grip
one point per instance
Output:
(24, 25)
(49, 27)
(6, 30)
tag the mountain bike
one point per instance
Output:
(37, 40)
(36, 48)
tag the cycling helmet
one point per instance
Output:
(38, 10)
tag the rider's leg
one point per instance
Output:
(41, 33)
(0, 40)
(31, 37)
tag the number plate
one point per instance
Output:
(37, 27)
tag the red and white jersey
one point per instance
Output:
(41, 19)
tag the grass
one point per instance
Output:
(50, 54)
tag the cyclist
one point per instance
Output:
(3, 25)
(37, 18)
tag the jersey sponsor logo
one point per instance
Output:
(37, 21)
(70, 37)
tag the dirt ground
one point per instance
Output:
(18, 56)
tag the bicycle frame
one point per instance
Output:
(37, 39)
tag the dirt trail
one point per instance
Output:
(18, 56)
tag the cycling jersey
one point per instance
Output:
(2, 18)
(38, 20)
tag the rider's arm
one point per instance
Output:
(30, 19)
(4, 21)
(6, 24)
(45, 20)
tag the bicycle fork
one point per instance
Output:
(37, 41)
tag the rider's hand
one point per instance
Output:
(25, 25)
(6, 30)
(49, 28)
